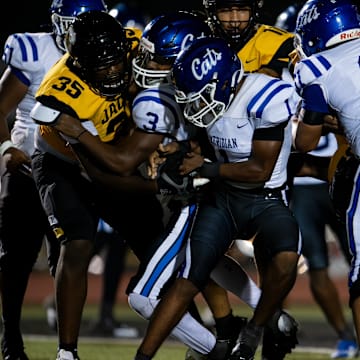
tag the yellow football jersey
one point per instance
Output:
(269, 47)
(65, 91)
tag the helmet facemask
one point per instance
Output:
(236, 35)
(63, 12)
(110, 80)
(98, 46)
(60, 26)
(162, 40)
(201, 109)
(146, 77)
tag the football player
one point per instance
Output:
(328, 59)
(247, 122)
(261, 48)
(27, 56)
(90, 83)
(159, 120)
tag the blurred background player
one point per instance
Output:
(28, 56)
(261, 48)
(286, 20)
(130, 14)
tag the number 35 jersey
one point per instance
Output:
(63, 90)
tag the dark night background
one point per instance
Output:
(28, 15)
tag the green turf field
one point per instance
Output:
(43, 347)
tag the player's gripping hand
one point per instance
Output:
(169, 180)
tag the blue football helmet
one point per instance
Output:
(236, 37)
(96, 41)
(63, 12)
(129, 15)
(206, 75)
(162, 40)
(286, 20)
(322, 24)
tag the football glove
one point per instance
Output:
(170, 182)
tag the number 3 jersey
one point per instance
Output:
(156, 111)
(64, 91)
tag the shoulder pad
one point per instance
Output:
(44, 115)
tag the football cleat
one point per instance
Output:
(345, 349)
(248, 342)
(66, 355)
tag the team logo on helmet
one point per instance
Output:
(201, 67)
(308, 16)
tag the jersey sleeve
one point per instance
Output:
(277, 104)
(268, 48)
(156, 111)
(306, 75)
(22, 55)
(281, 58)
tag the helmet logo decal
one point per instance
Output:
(308, 16)
(188, 39)
(201, 67)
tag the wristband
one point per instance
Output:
(210, 170)
(5, 145)
(313, 118)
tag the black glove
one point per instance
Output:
(168, 185)
(170, 182)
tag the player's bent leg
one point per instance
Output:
(188, 330)
(231, 276)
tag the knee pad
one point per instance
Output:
(142, 305)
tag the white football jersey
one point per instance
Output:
(30, 56)
(331, 79)
(262, 102)
(156, 111)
